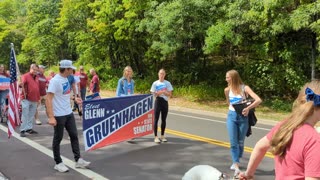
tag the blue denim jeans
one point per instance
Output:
(237, 126)
(83, 92)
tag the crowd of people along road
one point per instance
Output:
(68, 85)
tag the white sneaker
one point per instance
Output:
(233, 167)
(82, 163)
(61, 167)
(164, 139)
(38, 122)
(157, 140)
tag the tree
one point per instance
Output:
(41, 44)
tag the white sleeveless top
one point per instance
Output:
(234, 99)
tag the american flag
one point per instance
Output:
(14, 98)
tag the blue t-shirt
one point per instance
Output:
(71, 80)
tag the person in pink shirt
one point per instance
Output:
(95, 82)
(294, 141)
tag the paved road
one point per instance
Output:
(195, 137)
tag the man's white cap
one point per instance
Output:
(42, 66)
(66, 64)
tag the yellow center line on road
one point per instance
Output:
(210, 141)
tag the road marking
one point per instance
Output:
(206, 119)
(210, 141)
(70, 163)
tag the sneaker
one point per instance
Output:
(82, 163)
(31, 131)
(157, 140)
(61, 167)
(164, 139)
(234, 167)
(22, 134)
(38, 122)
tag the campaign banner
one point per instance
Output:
(4, 83)
(112, 120)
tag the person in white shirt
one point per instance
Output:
(60, 115)
(162, 90)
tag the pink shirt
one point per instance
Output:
(302, 157)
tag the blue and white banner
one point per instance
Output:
(112, 120)
(4, 83)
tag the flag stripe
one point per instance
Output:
(14, 98)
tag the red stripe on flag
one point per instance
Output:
(14, 98)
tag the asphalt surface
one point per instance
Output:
(195, 137)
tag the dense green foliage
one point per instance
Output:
(273, 44)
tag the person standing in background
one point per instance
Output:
(30, 97)
(74, 93)
(95, 82)
(60, 116)
(43, 84)
(3, 92)
(125, 85)
(162, 90)
(51, 75)
(237, 124)
(83, 82)
(77, 94)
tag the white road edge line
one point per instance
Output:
(206, 119)
(70, 163)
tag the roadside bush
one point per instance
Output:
(200, 92)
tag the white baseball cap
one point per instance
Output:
(42, 66)
(66, 64)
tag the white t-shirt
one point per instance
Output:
(61, 89)
(161, 86)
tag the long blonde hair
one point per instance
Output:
(236, 82)
(125, 73)
(301, 111)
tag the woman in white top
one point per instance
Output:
(237, 124)
(162, 90)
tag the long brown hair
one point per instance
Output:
(236, 82)
(301, 111)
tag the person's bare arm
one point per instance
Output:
(49, 109)
(260, 149)
(257, 100)
(226, 93)
(312, 178)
